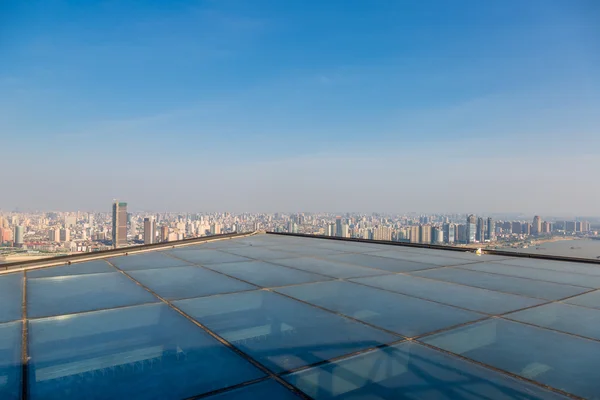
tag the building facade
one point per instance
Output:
(119, 224)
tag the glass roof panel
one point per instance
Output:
(260, 253)
(268, 389)
(141, 352)
(78, 293)
(279, 332)
(503, 283)
(307, 251)
(587, 300)
(471, 298)
(11, 297)
(552, 358)
(146, 261)
(562, 266)
(383, 263)
(207, 256)
(411, 371)
(423, 258)
(265, 274)
(330, 268)
(90, 267)
(405, 315)
(183, 282)
(581, 321)
(538, 274)
(10, 360)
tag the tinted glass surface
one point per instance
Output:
(10, 360)
(146, 261)
(471, 298)
(537, 274)
(503, 283)
(330, 268)
(91, 267)
(306, 251)
(410, 371)
(387, 264)
(281, 333)
(587, 300)
(192, 281)
(78, 293)
(11, 297)
(206, 256)
(563, 317)
(268, 389)
(142, 352)
(265, 274)
(422, 258)
(562, 266)
(552, 358)
(405, 315)
(260, 253)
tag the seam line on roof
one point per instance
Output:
(228, 388)
(24, 344)
(523, 277)
(583, 274)
(215, 336)
(549, 329)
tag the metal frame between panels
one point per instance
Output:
(279, 377)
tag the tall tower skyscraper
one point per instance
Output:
(536, 229)
(480, 230)
(149, 230)
(119, 224)
(338, 226)
(19, 234)
(489, 235)
(471, 228)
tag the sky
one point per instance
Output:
(301, 105)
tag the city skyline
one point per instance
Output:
(425, 107)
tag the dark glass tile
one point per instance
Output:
(383, 263)
(78, 293)
(11, 297)
(205, 257)
(265, 274)
(192, 281)
(259, 253)
(149, 260)
(10, 360)
(268, 389)
(330, 268)
(405, 315)
(281, 333)
(411, 371)
(141, 352)
(438, 261)
(561, 266)
(90, 267)
(587, 300)
(551, 358)
(471, 298)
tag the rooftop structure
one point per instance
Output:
(292, 317)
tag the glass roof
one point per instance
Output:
(286, 317)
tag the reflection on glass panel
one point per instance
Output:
(306, 251)
(563, 317)
(268, 389)
(10, 360)
(537, 274)
(281, 333)
(184, 282)
(467, 297)
(562, 266)
(78, 293)
(267, 275)
(561, 361)
(11, 297)
(330, 268)
(410, 371)
(259, 253)
(424, 258)
(405, 315)
(206, 256)
(150, 260)
(141, 352)
(387, 264)
(587, 300)
(503, 283)
(91, 267)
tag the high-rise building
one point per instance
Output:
(164, 233)
(425, 234)
(449, 233)
(437, 235)
(526, 228)
(54, 235)
(65, 235)
(536, 228)
(345, 231)
(119, 224)
(489, 234)
(471, 229)
(461, 233)
(382, 233)
(19, 235)
(338, 226)
(414, 234)
(149, 230)
(480, 235)
(570, 226)
(330, 230)
(547, 227)
(516, 227)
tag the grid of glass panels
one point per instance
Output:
(233, 327)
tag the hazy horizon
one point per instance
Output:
(424, 106)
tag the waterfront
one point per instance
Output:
(582, 248)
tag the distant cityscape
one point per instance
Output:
(26, 235)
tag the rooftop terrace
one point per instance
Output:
(289, 317)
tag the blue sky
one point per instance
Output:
(425, 105)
